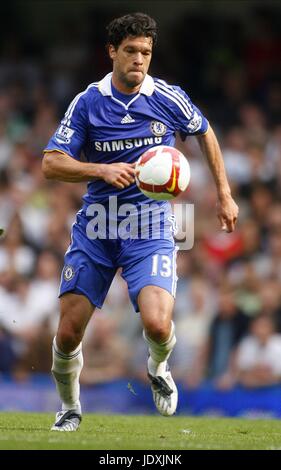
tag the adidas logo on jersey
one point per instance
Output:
(127, 119)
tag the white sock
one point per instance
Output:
(66, 370)
(160, 352)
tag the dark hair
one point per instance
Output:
(133, 24)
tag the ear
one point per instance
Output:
(111, 51)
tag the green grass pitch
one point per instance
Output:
(111, 432)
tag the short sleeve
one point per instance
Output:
(70, 136)
(188, 119)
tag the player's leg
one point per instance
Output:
(76, 311)
(152, 286)
(84, 286)
(156, 309)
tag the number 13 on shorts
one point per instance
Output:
(163, 265)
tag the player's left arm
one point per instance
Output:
(188, 120)
(227, 209)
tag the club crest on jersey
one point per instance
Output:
(158, 128)
(64, 134)
(68, 273)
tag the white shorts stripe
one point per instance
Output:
(175, 278)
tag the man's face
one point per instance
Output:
(131, 60)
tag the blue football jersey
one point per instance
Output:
(107, 129)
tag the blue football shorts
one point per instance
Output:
(90, 265)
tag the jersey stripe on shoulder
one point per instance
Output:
(68, 115)
(170, 90)
(186, 113)
(174, 90)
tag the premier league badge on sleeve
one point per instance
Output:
(64, 134)
(195, 123)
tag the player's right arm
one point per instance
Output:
(62, 155)
(62, 167)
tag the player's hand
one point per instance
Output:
(120, 175)
(227, 212)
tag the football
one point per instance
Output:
(162, 172)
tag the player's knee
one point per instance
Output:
(158, 330)
(68, 339)
(156, 311)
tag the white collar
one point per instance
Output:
(147, 87)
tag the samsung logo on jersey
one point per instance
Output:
(117, 145)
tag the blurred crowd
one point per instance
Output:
(228, 305)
